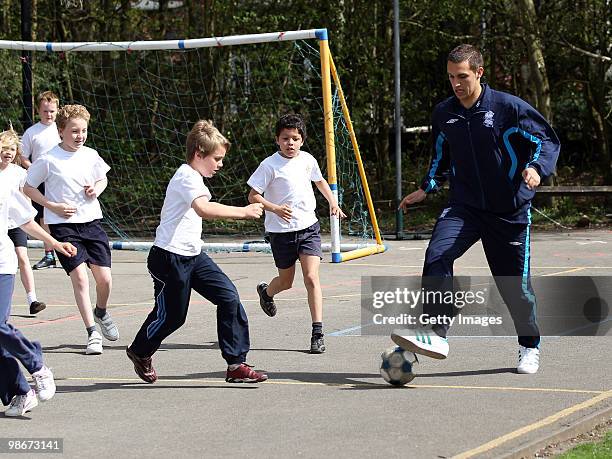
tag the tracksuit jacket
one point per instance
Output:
(484, 149)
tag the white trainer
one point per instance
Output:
(45, 385)
(94, 344)
(107, 327)
(529, 360)
(21, 404)
(421, 341)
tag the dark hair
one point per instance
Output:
(468, 53)
(291, 121)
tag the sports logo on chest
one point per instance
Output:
(488, 119)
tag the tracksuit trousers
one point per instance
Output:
(14, 348)
(173, 278)
(506, 246)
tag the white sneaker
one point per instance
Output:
(107, 327)
(529, 360)
(21, 404)
(94, 344)
(422, 341)
(45, 385)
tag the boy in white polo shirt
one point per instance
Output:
(74, 176)
(177, 263)
(15, 348)
(282, 183)
(36, 141)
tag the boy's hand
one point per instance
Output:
(412, 198)
(90, 191)
(284, 212)
(253, 210)
(336, 210)
(62, 209)
(531, 177)
(65, 248)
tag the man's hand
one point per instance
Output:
(284, 212)
(531, 178)
(412, 198)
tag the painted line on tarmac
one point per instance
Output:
(382, 385)
(563, 272)
(536, 425)
(474, 267)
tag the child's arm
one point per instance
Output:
(283, 211)
(95, 190)
(33, 229)
(59, 208)
(206, 209)
(326, 191)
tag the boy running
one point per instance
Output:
(282, 183)
(74, 177)
(177, 263)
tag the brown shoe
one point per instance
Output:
(37, 306)
(143, 367)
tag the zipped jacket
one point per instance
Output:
(483, 151)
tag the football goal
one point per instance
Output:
(144, 97)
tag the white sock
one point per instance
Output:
(31, 297)
(233, 366)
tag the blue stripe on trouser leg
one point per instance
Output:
(14, 348)
(172, 290)
(507, 248)
(232, 324)
(456, 230)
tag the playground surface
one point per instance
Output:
(472, 404)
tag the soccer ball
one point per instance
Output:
(397, 367)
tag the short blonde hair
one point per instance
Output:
(47, 96)
(8, 138)
(204, 138)
(68, 112)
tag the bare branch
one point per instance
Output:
(599, 57)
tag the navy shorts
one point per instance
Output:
(90, 240)
(39, 209)
(287, 247)
(19, 237)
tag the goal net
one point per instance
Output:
(145, 96)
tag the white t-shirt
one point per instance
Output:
(39, 139)
(180, 228)
(14, 177)
(288, 181)
(16, 207)
(65, 174)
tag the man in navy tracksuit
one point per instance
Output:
(494, 148)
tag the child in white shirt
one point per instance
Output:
(283, 184)
(14, 175)
(74, 176)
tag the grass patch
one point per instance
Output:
(600, 449)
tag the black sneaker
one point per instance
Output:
(268, 306)
(36, 307)
(44, 263)
(317, 344)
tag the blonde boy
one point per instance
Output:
(36, 141)
(75, 175)
(15, 348)
(14, 176)
(177, 263)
